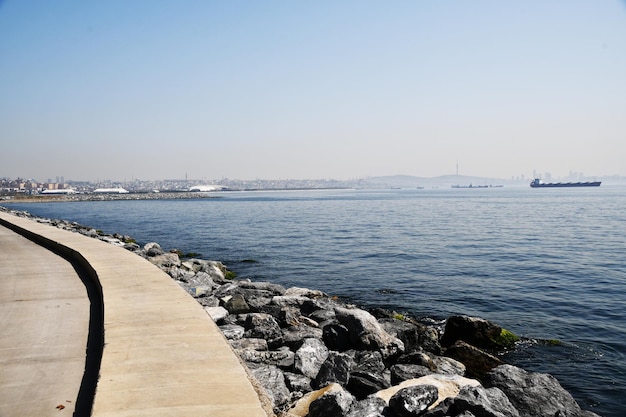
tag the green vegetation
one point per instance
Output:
(506, 339)
(229, 274)
(552, 342)
(399, 316)
(192, 255)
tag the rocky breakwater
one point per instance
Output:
(316, 356)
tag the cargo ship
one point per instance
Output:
(537, 183)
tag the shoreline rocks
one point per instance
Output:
(316, 356)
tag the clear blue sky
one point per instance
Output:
(320, 89)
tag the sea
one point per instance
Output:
(547, 264)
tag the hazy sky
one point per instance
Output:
(318, 89)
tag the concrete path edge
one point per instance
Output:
(95, 338)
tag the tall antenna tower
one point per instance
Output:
(457, 167)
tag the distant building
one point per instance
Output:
(110, 191)
(59, 191)
(207, 188)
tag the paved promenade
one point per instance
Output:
(162, 355)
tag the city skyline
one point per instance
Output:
(156, 90)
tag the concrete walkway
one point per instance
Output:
(163, 355)
(44, 319)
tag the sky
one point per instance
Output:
(321, 89)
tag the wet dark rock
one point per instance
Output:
(477, 332)
(413, 401)
(477, 362)
(534, 394)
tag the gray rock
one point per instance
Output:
(273, 381)
(368, 361)
(295, 335)
(249, 344)
(403, 372)
(369, 407)
(413, 335)
(477, 401)
(310, 357)
(413, 401)
(366, 333)
(268, 287)
(304, 292)
(334, 403)
(153, 249)
(336, 368)
(304, 304)
(216, 313)
(264, 326)
(232, 331)
(297, 382)
(363, 383)
(447, 366)
(282, 358)
(237, 305)
(534, 394)
(165, 260)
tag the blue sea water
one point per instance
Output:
(545, 263)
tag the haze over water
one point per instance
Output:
(547, 264)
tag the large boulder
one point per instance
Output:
(336, 336)
(402, 372)
(477, 332)
(363, 383)
(413, 335)
(263, 326)
(478, 401)
(310, 357)
(413, 401)
(447, 386)
(534, 394)
(273, 382)
(335, 402)
(301, 407)
(366, 333)
(476, 361)
(336, 368)
(369, 407)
